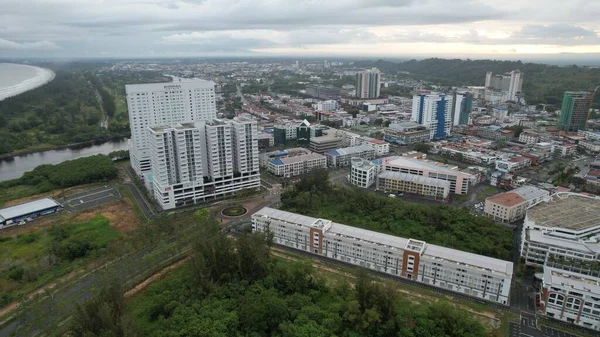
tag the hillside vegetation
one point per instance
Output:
(542, 83)
(237, 288)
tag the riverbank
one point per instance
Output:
(15, 165)
(42, 77)
(50, 147)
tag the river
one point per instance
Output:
(14, 168)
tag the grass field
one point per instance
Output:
(32, 260)
(16, 192)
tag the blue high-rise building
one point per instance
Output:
(435, 112)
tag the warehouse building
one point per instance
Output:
(446, 268)
(342, 157)
(10, 216)
(571, 297)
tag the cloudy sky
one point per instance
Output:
(392, 28)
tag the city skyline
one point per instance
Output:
(187, 28)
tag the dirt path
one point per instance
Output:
(142, 286)
(48, 287)
(318, 264)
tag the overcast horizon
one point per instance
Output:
(508, 29)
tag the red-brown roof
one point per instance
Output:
(507, 199)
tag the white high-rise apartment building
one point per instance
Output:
(195, 162)
(515, 84)
(509, 83)
(368, 83)
(165, 104)
(435, 112)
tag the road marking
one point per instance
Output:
(89, 201)
(75, 197)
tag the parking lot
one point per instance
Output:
(89, 199)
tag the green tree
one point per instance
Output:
(422, 147)
(103, 315)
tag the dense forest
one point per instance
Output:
(68, 110)
(447, 226)
(61, 112)
(542, 83)
(237, 288)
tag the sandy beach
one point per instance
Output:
(41, 77)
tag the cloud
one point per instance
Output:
(144, 27)
(30, 46)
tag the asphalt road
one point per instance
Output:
(89, 199)
(140, 200)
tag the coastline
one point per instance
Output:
(43, 76)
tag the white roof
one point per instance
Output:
(353, 150)
(539, 236)
(301, 158)
(572, 281)
(414, 178)
(396, 242)
(287, 216)
(424, 165)
(27, 208)
(529, 192)
(161, 87)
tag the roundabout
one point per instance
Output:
(234, 211)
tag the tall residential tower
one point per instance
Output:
(574, 111)
(165, 104)
(195, 162)
(435, 112)
(368, 83)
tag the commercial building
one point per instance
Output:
(459, 181)
(302, 133)
(195, 162)
(571, 297)
(529, 137)
(363, 173)
(165, 104)
(295, 165)
(329, 105)
(434, 111)
(563, 232)
(406, 133)
(445, 268)
(368, 83)
(592, 146)
(342, 157)
(511, 206)
(14, 215)
(512, 164)
(574, 111)
(325, 143)
(284, 133)
(380, 147)
(396, 182)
